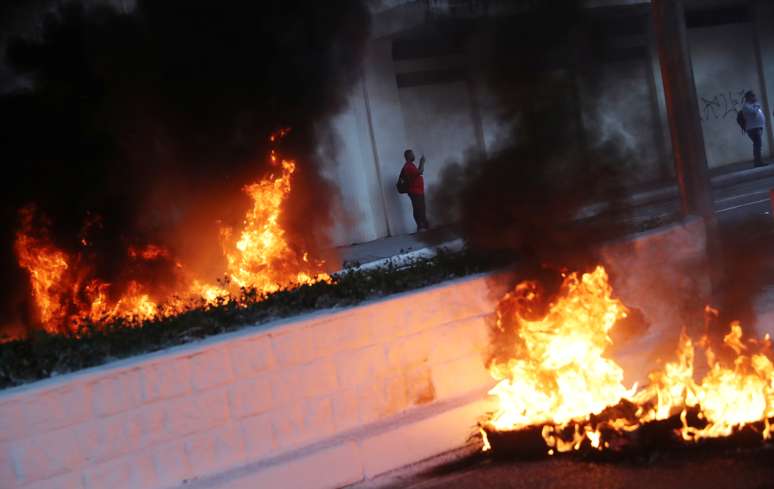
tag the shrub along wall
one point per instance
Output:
(43, 355)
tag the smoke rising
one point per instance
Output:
(554, 185)
(547, 167)
(142, 126)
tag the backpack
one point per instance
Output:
(740, 119)
(402, 185)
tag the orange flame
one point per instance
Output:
(560, 376)
(47, 267)
(261, 258)
(63, 301)
(149, 252)
(729, 397)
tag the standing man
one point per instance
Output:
(754, 123)
(416, 188)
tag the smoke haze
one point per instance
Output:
(142, 126)
(525, 196)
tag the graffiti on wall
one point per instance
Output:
(721, 105)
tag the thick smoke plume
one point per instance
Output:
(553, 187)
(142, 126)
(529, 195)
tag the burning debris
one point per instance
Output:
(561, 392)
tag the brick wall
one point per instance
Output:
(161, 419)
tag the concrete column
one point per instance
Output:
(387, 130)
(682, 108)
(352, 169)
(763, 16)
(666, 169)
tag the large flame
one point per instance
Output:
(562, 373)
(63, 296)
(560, 377)
(259, 256)
(47, 267)
(262, 258)
(728, 397)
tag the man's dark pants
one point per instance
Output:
(756, 135)
(418, 204)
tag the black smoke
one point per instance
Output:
(550, 189)
(143, 125)
(534, 194)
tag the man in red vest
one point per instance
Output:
(416, 188)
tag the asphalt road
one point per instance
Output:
(753, 469)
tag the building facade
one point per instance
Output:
(422, 87)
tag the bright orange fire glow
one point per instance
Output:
(262, 258)
(728, 396)
(149, 252)
(62, 298)
(560, 375)
(258, 256)
(47, 266)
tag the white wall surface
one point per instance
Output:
(439, 123)
(389, 130)
(764, 19)
(352, 169)
(158, 420)
(724, 67)
(625, 110)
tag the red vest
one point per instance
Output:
(416, 180)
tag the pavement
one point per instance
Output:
(745, 469)
(743, 193)
(375, 252)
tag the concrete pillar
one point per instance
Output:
(666, 170)
(685, 127)
(682, 108)
(351, 167)
(763, 16)
(388, 131)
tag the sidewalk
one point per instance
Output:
(739, 190)
(406, 246)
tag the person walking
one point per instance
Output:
(412, 181)
(754, 123)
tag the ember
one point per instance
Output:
(560, 387)
(68, 295)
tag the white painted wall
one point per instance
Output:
(439, 123)
(764, 19)
(268, 396)
(724, 67)
(389, 130)
(353, 171)
(625, 111)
